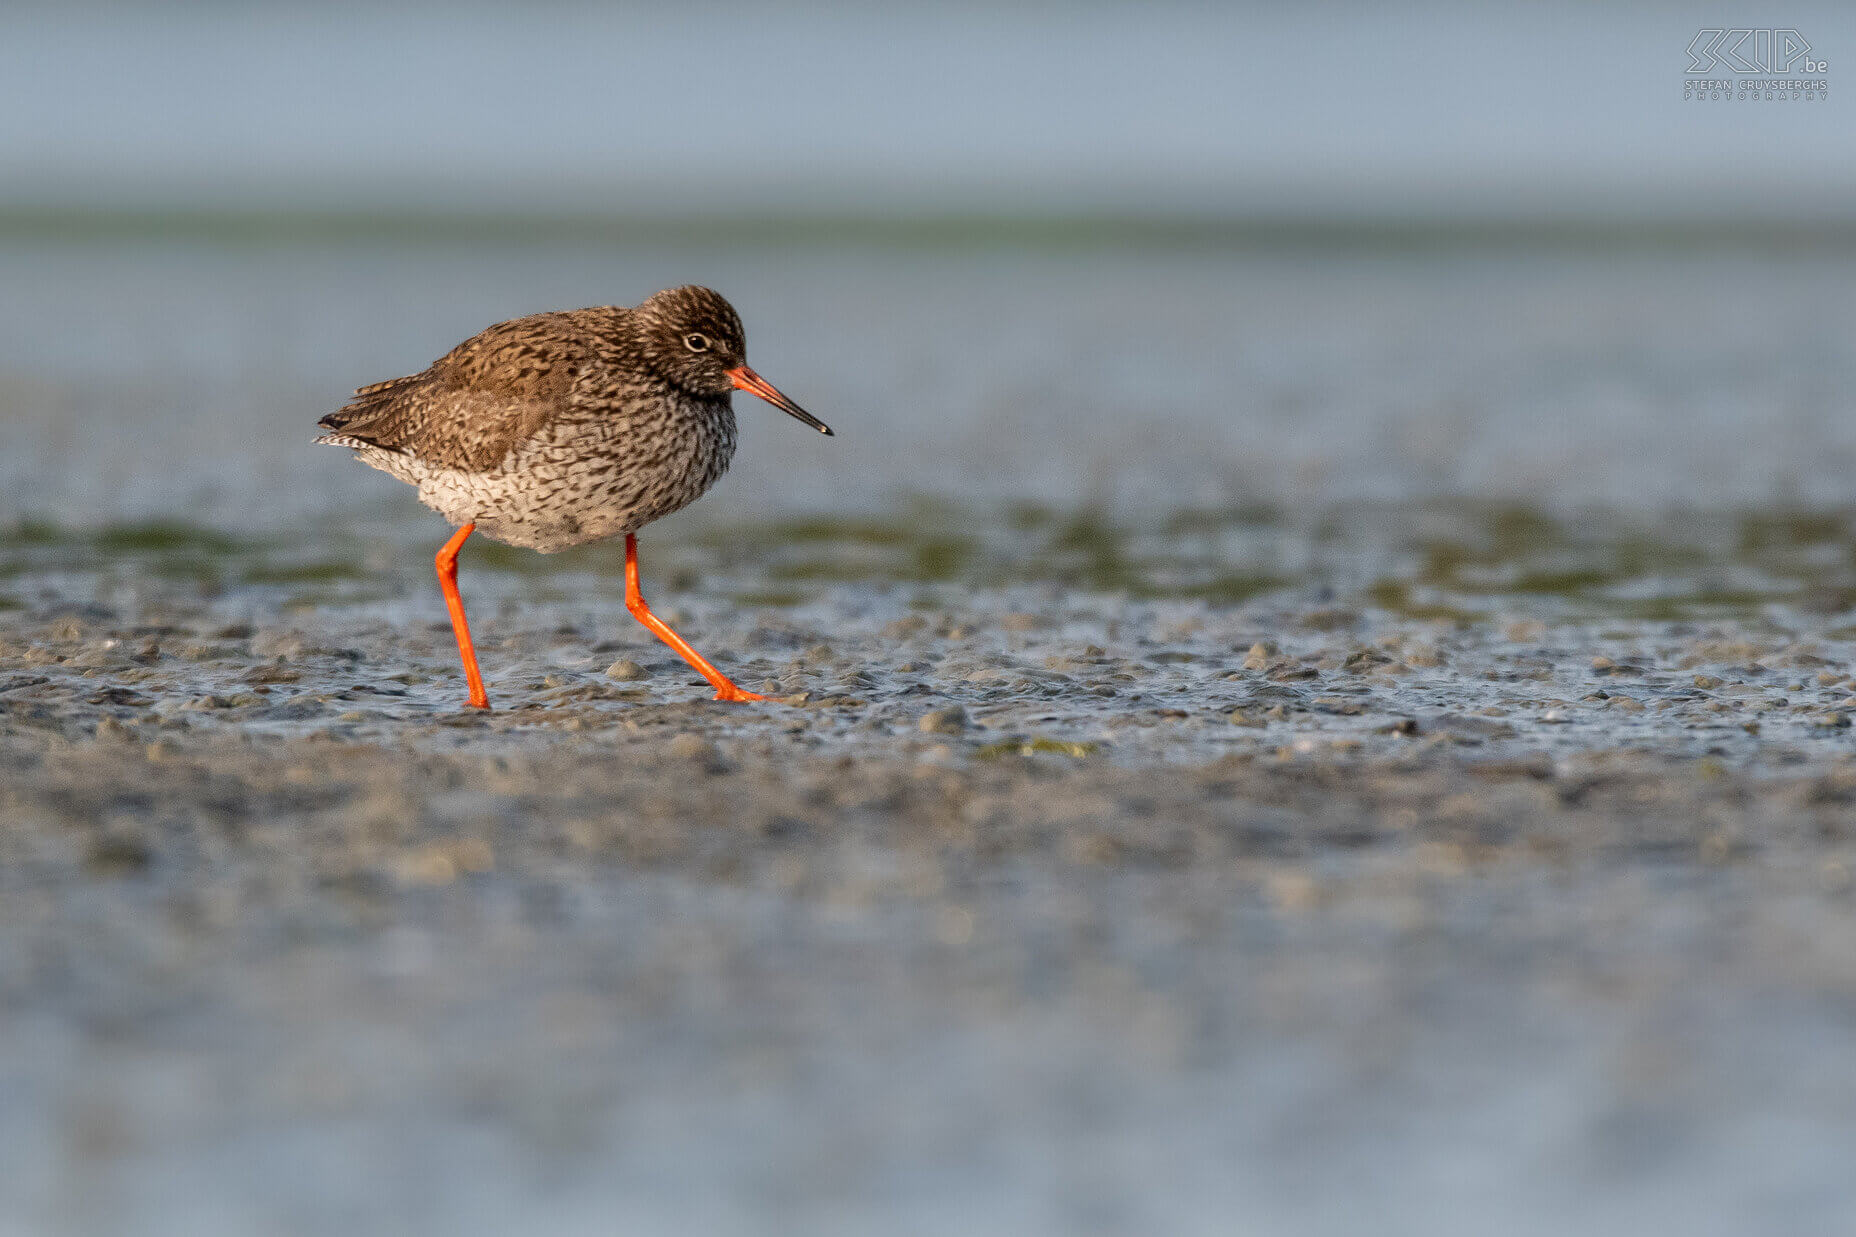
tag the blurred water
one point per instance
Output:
(155, 377)
(1434, 106)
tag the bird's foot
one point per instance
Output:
(735, 694)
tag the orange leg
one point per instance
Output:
(447, 564)
(634, 601)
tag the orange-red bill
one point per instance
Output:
(754, 384)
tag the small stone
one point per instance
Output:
(625, 670)
(1260, 655)
(111, 730)
(1831, 721)
(118, 695)
(693, 747)
(951, 720)
(1707, 682)
(1362, 661)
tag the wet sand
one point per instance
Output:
(1049, 907)
(1274, 738)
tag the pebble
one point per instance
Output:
(691, 746)
(625, 670)
(951, 720)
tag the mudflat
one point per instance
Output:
(1072, 906)
(1268, 736)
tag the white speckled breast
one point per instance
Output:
(586, 476)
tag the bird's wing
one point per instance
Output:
(475, 402)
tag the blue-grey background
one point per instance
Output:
(1337, 109)
(1148, 253)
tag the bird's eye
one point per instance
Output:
(696, 342)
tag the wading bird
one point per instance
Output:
(562, 428)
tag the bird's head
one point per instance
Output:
(694, 339)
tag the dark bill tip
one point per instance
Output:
(747, 380)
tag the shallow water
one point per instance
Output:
(1266, 739)
(140, 378)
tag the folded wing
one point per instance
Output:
(476, 402)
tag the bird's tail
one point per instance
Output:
(351, 424)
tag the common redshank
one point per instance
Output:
(562, 428)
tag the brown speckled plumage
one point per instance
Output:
(562, 428)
